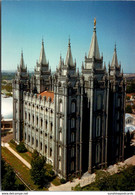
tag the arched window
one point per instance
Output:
(33, 118)
(72, 137)
(59, 151)
(46, 124)
(72, 166)
(41, 122)
(29, 116)
(36, 143)
(40, 145)
(98, 125)
(60, 106)
(28, 138)
(60, 122)
(25, 115)
(45, 148)
(37, 120)
(72, 152)
(60, 136)
(50, 152)
(72, 123)
(32, 140)
(98, 153)
(73, 107)
(59, 164)
(99, 102)
(51, 126)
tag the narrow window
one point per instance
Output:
(46, 124)
(73, 107)
(45, 148)
(61, 106)
(98, 125)
(72, 152)
(72, 137)
(59, 150)
(36, 143)
(72, 123)
(72, 166)
(60, 136)
(29, 116)
(60, 122)
(99, 100)
(32, 140)
(50, 152)
(33, 118)
(59, 164)
(97, 153)
(51, 126)
(37, 120)
(41, 122)
(40, 145)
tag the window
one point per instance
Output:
(60, 122)
(25, 115)
(25, 136)
(98, 125)
(41, 122)
(29, 116)
(36, 143)
(59, 164)
(28, 138)
(51, 126)
(72, 152)
(60, 136)
(46, 124)
(97, 153)
(32, 140)
(72, 166)
(50, 152)
(40, 145)
(45, 148)
(73, 107)
(59, 151)
(72, 137)
(33, 118)
(60, 106)
(99, 101)
(37, 120)
(118, 115)
(72, 123)
(119, 102)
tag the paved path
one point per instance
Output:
(89, 178)
(17, 155)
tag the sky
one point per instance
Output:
(25, 23)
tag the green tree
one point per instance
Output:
(128, 109)
(21, 148)
(38, 170)
(8, 179)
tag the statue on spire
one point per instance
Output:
(94, 22)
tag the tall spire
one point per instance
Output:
(42, 59)
(114, 60)
(94, 49)
(69, 59)
(60, 62)
(22, 61)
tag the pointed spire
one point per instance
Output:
(42, 59)
(69, 59)
(60, 62)
(94, 49)
(114, 60)
(22, 60)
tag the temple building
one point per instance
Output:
(75, 119)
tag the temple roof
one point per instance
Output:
(47, 94)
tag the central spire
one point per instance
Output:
(114, 60)
(69, 59)
(42, 59)
(94, 49)
(22, 61)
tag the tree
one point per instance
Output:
(38, 169)
(21, 148)
(128, 109)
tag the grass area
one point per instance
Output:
(20, 168)
(56, 181)
(26, 155)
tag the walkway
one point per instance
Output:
(89, 178)
(15, 153)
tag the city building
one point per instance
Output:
(76, 120)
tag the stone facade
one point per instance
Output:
(75, 120)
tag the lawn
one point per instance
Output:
(56, 181)
(26, 155)
(20, 168)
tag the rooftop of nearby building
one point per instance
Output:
(47, 94)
